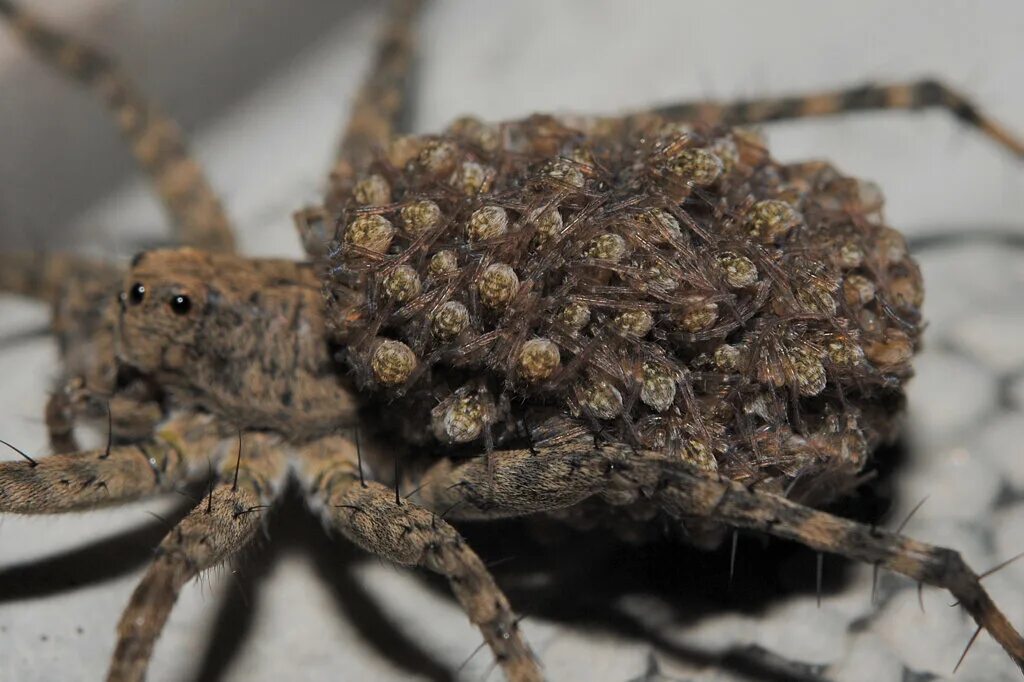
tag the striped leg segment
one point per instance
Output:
(380, 108)
(60, 422)
(87, 480)
(218, 527)
(46, 276)
(923, 94)
(382, 100)
(520, 482)
(156, 141)
(686, 494)
(514, 483)
(131, 414)
(370, 516)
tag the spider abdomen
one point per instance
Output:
(667, 286)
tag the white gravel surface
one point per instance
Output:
(59, 601)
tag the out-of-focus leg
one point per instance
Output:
(916, 95)
(156, 141)
(382, 99)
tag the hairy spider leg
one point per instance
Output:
(520, 482)
(178, 453)
(81, 292)
(60, 415)
(406, 533)
(382, 103)
(620, 475)
(45, 276)
(214, 530)
(916, 95)
(126, 416)
(156, 141)
(686, 493)
(381, 110)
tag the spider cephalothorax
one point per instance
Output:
(619, 318)
(239, 337)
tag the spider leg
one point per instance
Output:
(521, 482)
(922, 94)
(46, 276)
(513, 483)
(127, 415)
(59, 415)
(81, 293)
(381, 106)
(87, 480)
(156, 141)
(218, 527)
(370, 516)
(382, 99)
(686, 493)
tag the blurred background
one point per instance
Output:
(262, 89)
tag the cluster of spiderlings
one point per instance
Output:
(663, 285)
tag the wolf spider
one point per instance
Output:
(754, 394)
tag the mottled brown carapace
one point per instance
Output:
(609, 319)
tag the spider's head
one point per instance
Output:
(245, 337)
(162, 302)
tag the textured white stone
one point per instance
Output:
(958, 482)
(963, 280)
(928, 641)
(867, 657)
(1016, 392)
(994, 337)
(853, 602)
(1008, 526)
(803, 631)
(573, 655)
(948, 395)
(1002, 444)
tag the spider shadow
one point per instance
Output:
(291, 528)
(592, 581)
(581, 583)
(93, 563)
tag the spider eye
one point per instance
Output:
(180, 304)
(137, 293)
